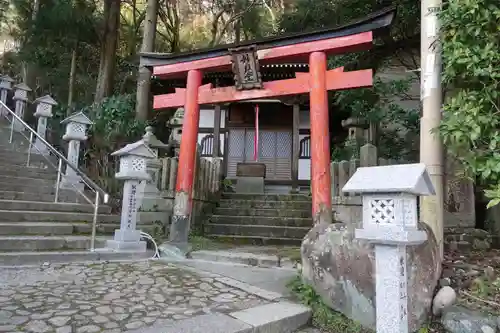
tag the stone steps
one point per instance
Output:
(261, 204)
(47, 187)
(64, 196)
(16, 258)
(61, 228)
(17, 205)
(263, 212)
(258, 240)
(32, 181)
(261, 218)
(33, 228)
(54, 216)
(266, 197)
(28, 172)
(262, 221)
(268, 231)
(47, 243)
(21, 158)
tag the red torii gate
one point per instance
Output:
(314, 48)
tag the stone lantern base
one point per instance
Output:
(127, 240)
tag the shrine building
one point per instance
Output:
(255, 91)
(274, 128)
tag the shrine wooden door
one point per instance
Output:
(275, 151)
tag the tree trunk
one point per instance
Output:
(237, 31)
(72, 77)
(29, 69)
(144, 75)
(108, 50)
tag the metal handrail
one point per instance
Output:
(53, 150)
(98, 191)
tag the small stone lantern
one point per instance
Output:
(175, 125)
(76, 131)
(43, 112)
(389, 196)
(5, 86)
(21, 97)
(152, 199)
(133, 170)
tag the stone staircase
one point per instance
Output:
(261, 218)
(35, 229)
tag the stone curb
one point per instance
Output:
(281, 317)
(248, 288)
(244, 258)
(27, 259)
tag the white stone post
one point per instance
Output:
(43, 112)
(5, 87)
(389, 195)
(21, 97)
(133, 161)
(76, 131)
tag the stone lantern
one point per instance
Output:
(133, 170)
(389, 196)
(21, 97)
(175, 125)
(76, 132)
(5, 86)
(43, 112)
(152, 198)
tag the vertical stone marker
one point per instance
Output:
(389, 195)
(133, 169)
(76, 131)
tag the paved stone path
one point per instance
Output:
(109, 297)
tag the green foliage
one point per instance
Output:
(114, 126)
(324, 317)
(471, 121)
(317, 14)
(114, 120)
(398, 127)
(398, 134)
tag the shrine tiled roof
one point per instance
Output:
(375, 22)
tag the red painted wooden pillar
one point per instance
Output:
(179, 228)
(320, 140)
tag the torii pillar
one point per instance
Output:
(320, 140)
(179, 227)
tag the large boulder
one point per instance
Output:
(341, 269)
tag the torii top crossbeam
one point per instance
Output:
(244, 60)
(355, 36)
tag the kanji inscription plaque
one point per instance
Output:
(246, 71)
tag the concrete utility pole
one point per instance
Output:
(431, 147)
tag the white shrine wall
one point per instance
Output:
(207, 122)
(304, 165)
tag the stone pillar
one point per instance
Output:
(21, 97)
(320, 140)
(43, 112)
(76, 131)
(389, 196)
(133, 170)
(179, 229)
(5, 87)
